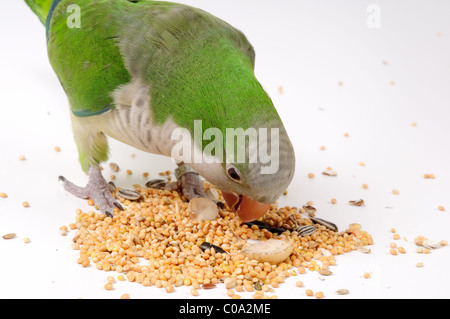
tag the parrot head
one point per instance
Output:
(249, 187)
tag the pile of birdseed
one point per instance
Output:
(153, 242)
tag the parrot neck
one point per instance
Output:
(216, 84)
(49, 16)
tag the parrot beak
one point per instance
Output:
(247, 209)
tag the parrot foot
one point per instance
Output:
(96, 189)
(190, 184)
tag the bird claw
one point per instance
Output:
(96, 189)
(189, 184)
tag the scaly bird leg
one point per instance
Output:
(189, 182)
(96, 189)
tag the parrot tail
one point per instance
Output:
(40, 8)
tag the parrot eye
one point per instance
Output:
(234, 173)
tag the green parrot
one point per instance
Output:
(163, 76)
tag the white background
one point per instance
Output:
(307, 47)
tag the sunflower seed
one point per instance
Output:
(9, 236)
(325, 272)
(325, 223)
(356, 202)
(261, 225)
(306, 230)
(205, 245)
(342, 291)
(208, 286)
(156, 183)
(129, 194)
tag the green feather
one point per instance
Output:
(40, 8)
(196, 65)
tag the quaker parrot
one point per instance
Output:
(143, 71)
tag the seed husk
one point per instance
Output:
(363, 249)
(306, 230)
(262, 225)
(205, 246)
(356, 202)
(129, 194)
(9, 236)
(114, 167)
(325, 223)
(156, 183)
(111, 187)
(342, 291)
(203, 208)
(329, 172)
(309, 209)
(431, 244)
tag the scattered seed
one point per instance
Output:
(365, 186)
(208, 286)
(322, 148)
(342, 291)
(57, 149)
(108, 286)
(401, 250)
(309, 292)
(396, 236)
(309, 209)
(22, 157)
(366, 275)
(129, 172)
(431, 244)
(329, 172)
(114, 167)
(299, 283)
(3, 195)
(393, 252)
(429, 176)
(9, 236)
(125, 296)
(194, 292)
(25, 204)
(441, 208)
(169, 288)
(356, 202)
(363, 249)
(419, 264)
(395, 192)
(319, 295)
(26, 240)
(333, 201)
(325, 272)
(129, 194)
(310, 175)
